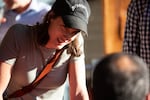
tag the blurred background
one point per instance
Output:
(106, 31)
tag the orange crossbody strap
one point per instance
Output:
(44, 72)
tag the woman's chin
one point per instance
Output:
(61, 46)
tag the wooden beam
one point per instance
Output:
(114, 24)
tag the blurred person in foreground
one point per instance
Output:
(120, 76)
(22, 11)
(25, 50)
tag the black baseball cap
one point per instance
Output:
(75, 13)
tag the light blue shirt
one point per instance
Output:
(35, 13)
(50, 2)
(1, 3)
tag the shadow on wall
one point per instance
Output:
(94, 41)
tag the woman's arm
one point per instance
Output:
(5, 74)
(77, 80)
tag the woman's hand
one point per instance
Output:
(1, 96)
(5, 74)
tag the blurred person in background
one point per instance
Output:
(137, 30)
(50, 2)
(22, 11)
(120, 76)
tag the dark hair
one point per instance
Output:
(42, 36)
(112, 83)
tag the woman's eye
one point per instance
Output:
(63, 25)
(63, 28)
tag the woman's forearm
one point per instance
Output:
(5, 74)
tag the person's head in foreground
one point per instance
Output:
(120, 76)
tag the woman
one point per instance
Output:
(26, 49)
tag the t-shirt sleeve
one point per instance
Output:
(8, 47)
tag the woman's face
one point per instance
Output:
(60, 35)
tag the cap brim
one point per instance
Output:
(75, 22)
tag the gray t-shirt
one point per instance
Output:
(19, 49)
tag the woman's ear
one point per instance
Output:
(49, 16)
(51, 13)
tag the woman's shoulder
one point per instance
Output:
(19, 29)
(19, 32)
